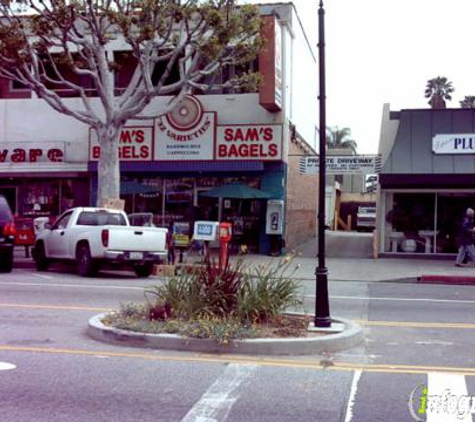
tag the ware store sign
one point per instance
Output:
(461, 143)
(32, 152)
(346, 164)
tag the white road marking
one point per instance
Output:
(5, 366)
(79, 286)
(216, 402)
(46, 277)
(447, 398)
(351, 400)
(92, 286)
(434, 343)
(398, 299)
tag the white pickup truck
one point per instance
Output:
(96, 237)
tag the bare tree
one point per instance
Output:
(57, 44)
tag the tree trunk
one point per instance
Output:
(109, 166)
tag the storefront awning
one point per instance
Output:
(130, 188)
(237, 191)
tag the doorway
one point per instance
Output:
(10, 195)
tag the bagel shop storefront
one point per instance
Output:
(427, 180)
(169, 164)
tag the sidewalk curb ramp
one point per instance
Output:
(351, 336)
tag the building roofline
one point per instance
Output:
(291, 4)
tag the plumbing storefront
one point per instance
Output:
(427, 180)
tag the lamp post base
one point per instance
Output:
(322, 308)
(322, 322)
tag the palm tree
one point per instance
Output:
(438, 90)
(468, 102)
(337, 138)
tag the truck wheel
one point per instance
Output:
(41, 262)
(144, 270)
(84, 262)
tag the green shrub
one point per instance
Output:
(221, 286)
(268, 291)
(205, 290)
(211, 303)
(221, 329)
(183, 293)
(133, 310)
(207, 327)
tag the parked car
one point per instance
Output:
(366, 219)
(97, 237)
(7, 236)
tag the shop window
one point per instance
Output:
(426, 222)
(18, 86)
(159, 71)
(225, 74)
(125, 65)
(179, 200)
(412, 219)
(39, 199)
(451, 208)
(10, 195)
(143, 195)
(61, 69)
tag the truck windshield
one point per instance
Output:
(91, 218)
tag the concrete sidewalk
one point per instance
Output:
(363, 268)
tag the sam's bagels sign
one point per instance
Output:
(189, 132)
(459, 143)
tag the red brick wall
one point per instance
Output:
(301, 200)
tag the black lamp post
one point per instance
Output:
(322, 307)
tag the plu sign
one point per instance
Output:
(460, 143)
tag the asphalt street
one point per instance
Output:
(413, 332)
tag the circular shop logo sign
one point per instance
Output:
(186, 115)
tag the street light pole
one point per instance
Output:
(322, 307)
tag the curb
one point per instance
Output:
(461, 280)
(351, 336)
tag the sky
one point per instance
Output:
(385, 51)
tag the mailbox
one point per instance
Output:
(225, 232)
(206, 230)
